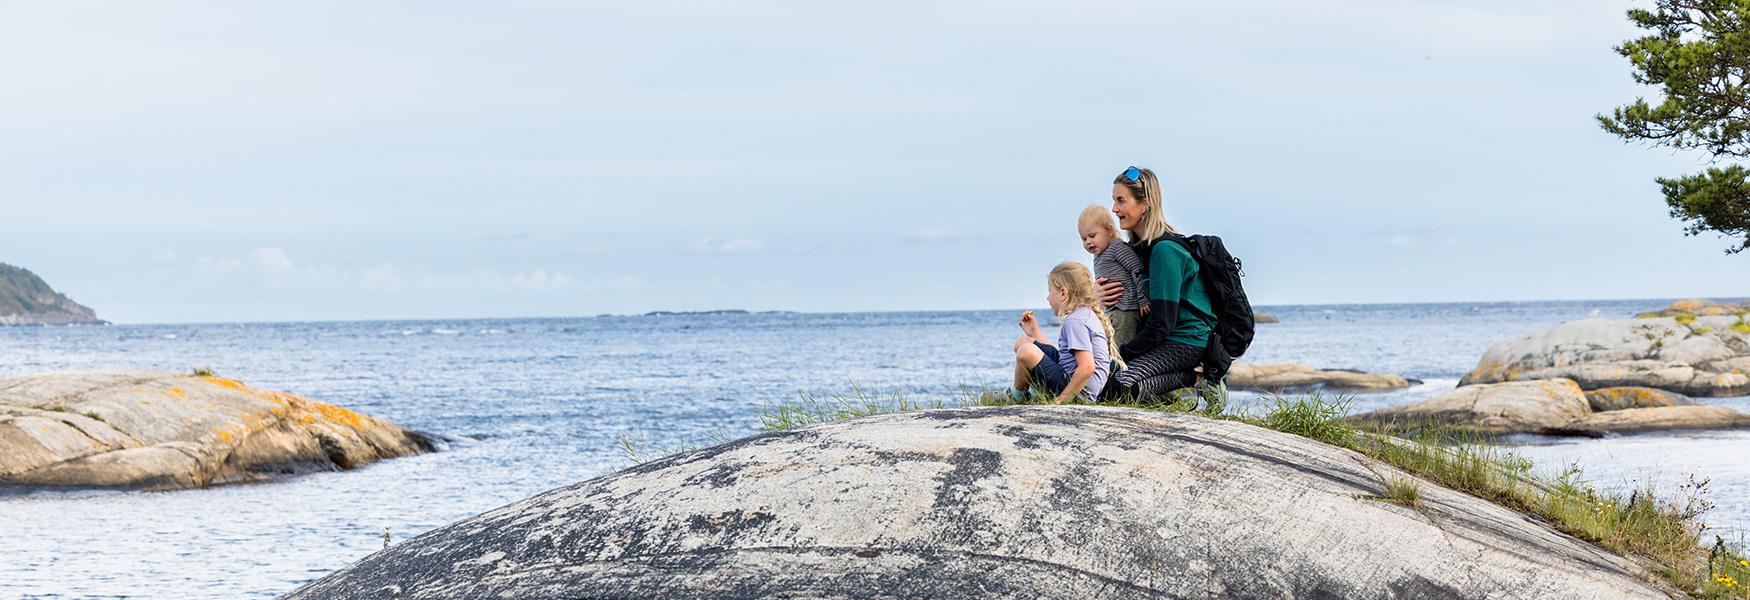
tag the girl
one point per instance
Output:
(1081, 360)
(1178, 320)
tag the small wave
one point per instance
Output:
(440, 331)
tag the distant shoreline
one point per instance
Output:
(1653, 303)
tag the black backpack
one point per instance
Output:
(1234, 322)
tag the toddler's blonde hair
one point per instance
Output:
(1098, 215)
(1077, 284)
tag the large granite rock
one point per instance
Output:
(1289, 377)
(1705, 356)
(26, 299)
(147, 429)
(1551, 406)
(1012, 502)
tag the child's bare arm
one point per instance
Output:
(1078, 379)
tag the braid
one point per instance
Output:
(1111, 339)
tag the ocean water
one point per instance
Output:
(533, 404)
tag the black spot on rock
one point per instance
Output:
(729, 523)
(971, 465)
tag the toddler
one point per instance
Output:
(1115, 262)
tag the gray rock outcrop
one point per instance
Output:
(1010, 502)
(1551, 406)
(154, 430)
(1702, 356)
(1289, 377)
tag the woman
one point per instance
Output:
(1178, 319)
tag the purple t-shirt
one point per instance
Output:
(1082, 331)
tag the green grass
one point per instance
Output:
(204, 371)
(1684, 318)
(1403, 490)
(1667, 531)
(1741, 327)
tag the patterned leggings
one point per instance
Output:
(1164, 369)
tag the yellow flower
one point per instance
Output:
(1744, 563)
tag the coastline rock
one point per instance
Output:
(1009, 502)
(1517, 407)
(1550, 407)
(155, 430)
(1286, 377)
(1619, 398)
(1706, 356)
(26, 299)
(1663, 418)
(1263, 318)
(1698, 307)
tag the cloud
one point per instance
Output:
(734, 246)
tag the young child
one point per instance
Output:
(1082, 358)
(1116, 262)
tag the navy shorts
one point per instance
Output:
(1049, 372)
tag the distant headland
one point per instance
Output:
(26, 299)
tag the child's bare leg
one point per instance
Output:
(1027, 356)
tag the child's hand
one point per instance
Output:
(1144, 309)
(1029, 325)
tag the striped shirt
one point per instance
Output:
(1120, 263)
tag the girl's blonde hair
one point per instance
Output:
(1098, 215)
(1147, 189)
(1077, 284)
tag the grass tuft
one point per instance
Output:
(1311, 416)
(1403, 490)
(204, 371)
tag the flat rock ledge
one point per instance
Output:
(156, 430)
(1289, 377)
(1551, 407)
(1002, 502)
(1703, 356)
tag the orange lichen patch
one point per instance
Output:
(339, 415)
(177, 393)
(226, 383)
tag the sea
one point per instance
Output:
(527, 405)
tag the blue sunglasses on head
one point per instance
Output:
(1133, 174)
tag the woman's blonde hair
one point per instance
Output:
(1098, 215)
(1146, 189)
(1077, 284)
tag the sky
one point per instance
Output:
(329, 160)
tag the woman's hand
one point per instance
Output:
(1110, 291)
